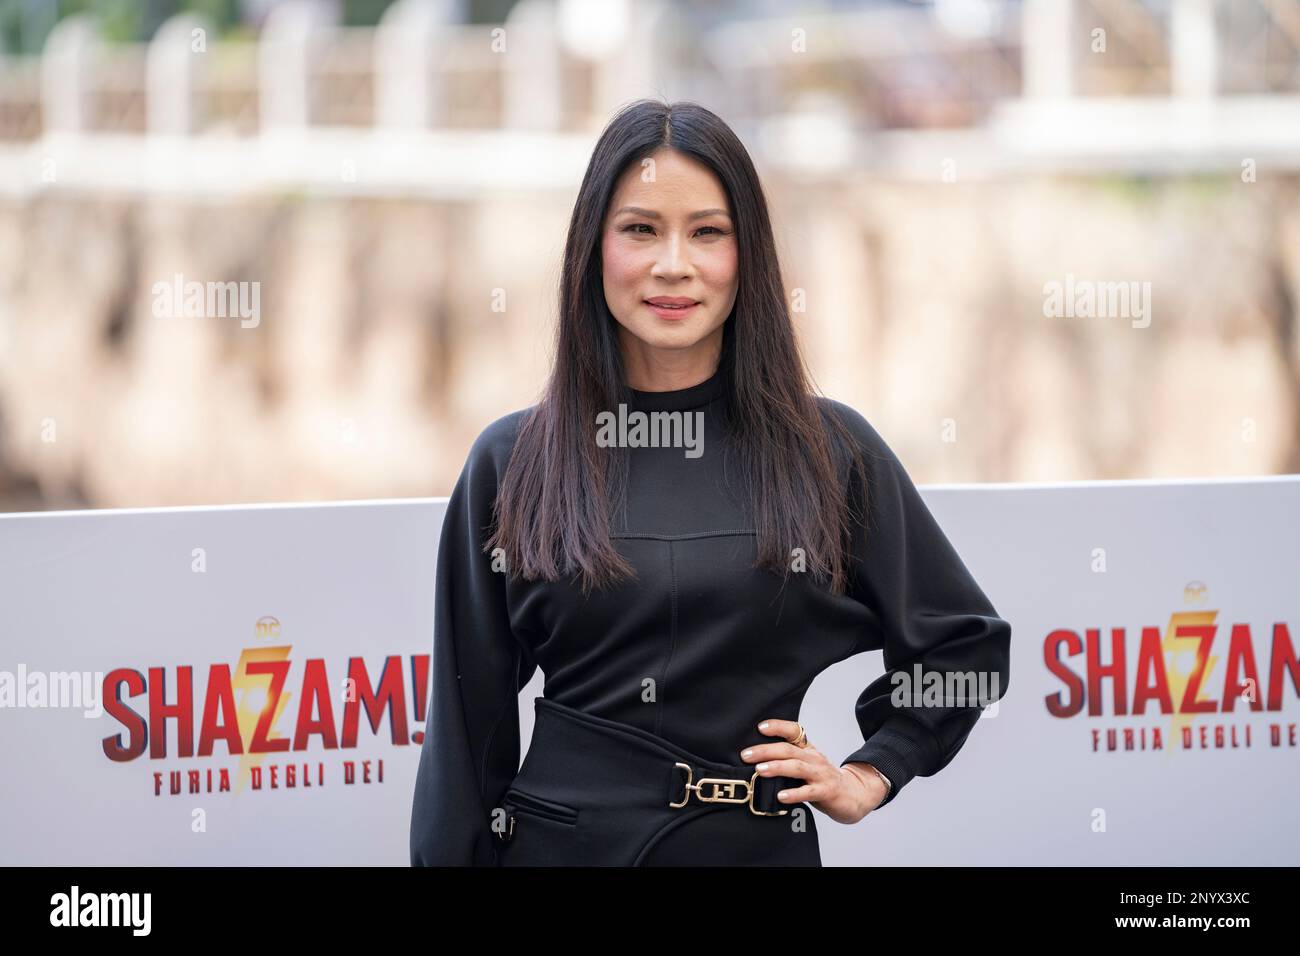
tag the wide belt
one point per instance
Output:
(579, 760)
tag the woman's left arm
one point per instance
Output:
(930, 617)
(934, 622)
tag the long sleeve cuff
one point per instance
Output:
(901, 749)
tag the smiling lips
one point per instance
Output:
(671, 306)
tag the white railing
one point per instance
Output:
(426, 104)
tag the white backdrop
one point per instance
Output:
(318, 593)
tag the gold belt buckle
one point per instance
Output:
(721, 786)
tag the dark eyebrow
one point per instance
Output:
(651, 214)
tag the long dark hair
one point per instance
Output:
(552, 515)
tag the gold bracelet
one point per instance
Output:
(888, 786)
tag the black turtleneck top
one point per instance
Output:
(699, 620)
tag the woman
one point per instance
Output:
(677, 535)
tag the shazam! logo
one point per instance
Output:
(267, 721)
(1194, 684)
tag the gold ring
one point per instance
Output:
(802, 739)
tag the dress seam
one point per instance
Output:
(672, 637)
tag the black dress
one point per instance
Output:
(697, 650)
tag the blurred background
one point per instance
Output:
(299, 250)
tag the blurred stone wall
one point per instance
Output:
(391, 332)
